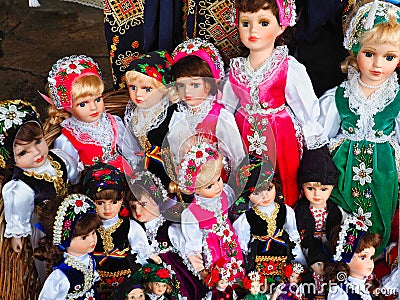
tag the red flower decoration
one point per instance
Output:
(135, 44)
(246, 283)
(199, 154)
(269, 267)
(124, 212)
(212, 278)
(79, 203)
(99, 173)
(163, 273)
(146, 270)
(153, 72)
(115, 281)
(288, 271)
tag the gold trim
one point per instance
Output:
(271, 220)
(105, 235)
(112, 274)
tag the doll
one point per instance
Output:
(252, 282)
(272, 88)
(33, 174)
(198, 68)
(71, 238)
(267, 232)
(316, 214)
(353, 248)
(145, 198)
(148, 111)
(290, 289)
(360, 117)
(220, 279)
(205, 225)
(129, 289)
(122, 243)
(89, 134)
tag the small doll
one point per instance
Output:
(205, 225)
(273, 89)
(353, 248)
(361, 117)
(253, 282)
(220, 279)
(88, 133)
(290, 290)
(71, 238)
(316, 214)
(130, 289)
(33, 174)
(267, 232)
(146, 198)
(198, 67)
(148, 111)
(122, 243)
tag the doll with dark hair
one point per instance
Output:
(71, 238)
(130, 289)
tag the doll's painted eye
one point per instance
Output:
(264, 23)
(82, 104)
(389, 57)
(180, 85)
(38, 141)
(368, 54)
(245, 24)
(196, 85)
(22, 153)
(324, 189)
(132, 87)
(148, 89)
(98, 100)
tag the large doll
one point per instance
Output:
(272, 88)
(148, 111)
(33, 174)
(361, 117)
(88, 133)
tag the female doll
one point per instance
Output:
(360, 117)
(252, 282)
(148, 111)
(198, 68)
(130, 289)
(267, 232)
(219, 279)
(205, 225)
(354, 248)
(272, 88)
(71, 238)
(33, 174)
(122, 243)
(146, 197)
(290, 289)
(88, 133)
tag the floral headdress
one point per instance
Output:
(253, 276)
(354, 227)
(70, 211)
(192, 162)
(63, 75)
(102, 177)
(156, 64)
(13, 114)
(367, 17)
(150, 184)
(219, 271)
(293, 268)
(203, 49)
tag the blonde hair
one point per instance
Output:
(89, 85)
(208, 171)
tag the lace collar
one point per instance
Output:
(196, 114)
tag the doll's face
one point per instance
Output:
(317, 194)
(294, 278)
(158, 288)
(32, 154)
(87, 109)
(212, 189)
(83, 244)
(377, 61)
(108, 208)
(144, 93)
(258, 31)
(362, 264)
(144, 210)
(222, 284)
(318, 268)
(255, 287)
(135, 294)
(192, 90)
(264, 197)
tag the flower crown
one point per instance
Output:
(64, 73)
(192, 162)
(293, 268)
(205, 50)
(151, 184)
(353, 229)
(367, 17)
(70, 211)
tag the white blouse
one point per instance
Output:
(337, 293)
(19, 197)
(242, 229)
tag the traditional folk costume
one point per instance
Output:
(247, 283)
(150, 126)
(363, 135)
(220, 270)
(75, 277)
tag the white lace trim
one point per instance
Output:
(196, 114)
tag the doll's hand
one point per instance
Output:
(16, 244)
(156, 259)
(197, 262)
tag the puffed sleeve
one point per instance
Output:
(178, 133)
(71, 165)
(18, 208)
(55, 287)
(229, 98)
(329, 117)
(337, 293)
(230, 194)
(291, 228)
(192, 233)
(176, 237)
(242, 230)
(229, 138)
(127, 143)
(63, 143)
(304, 103)
(138, 241)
